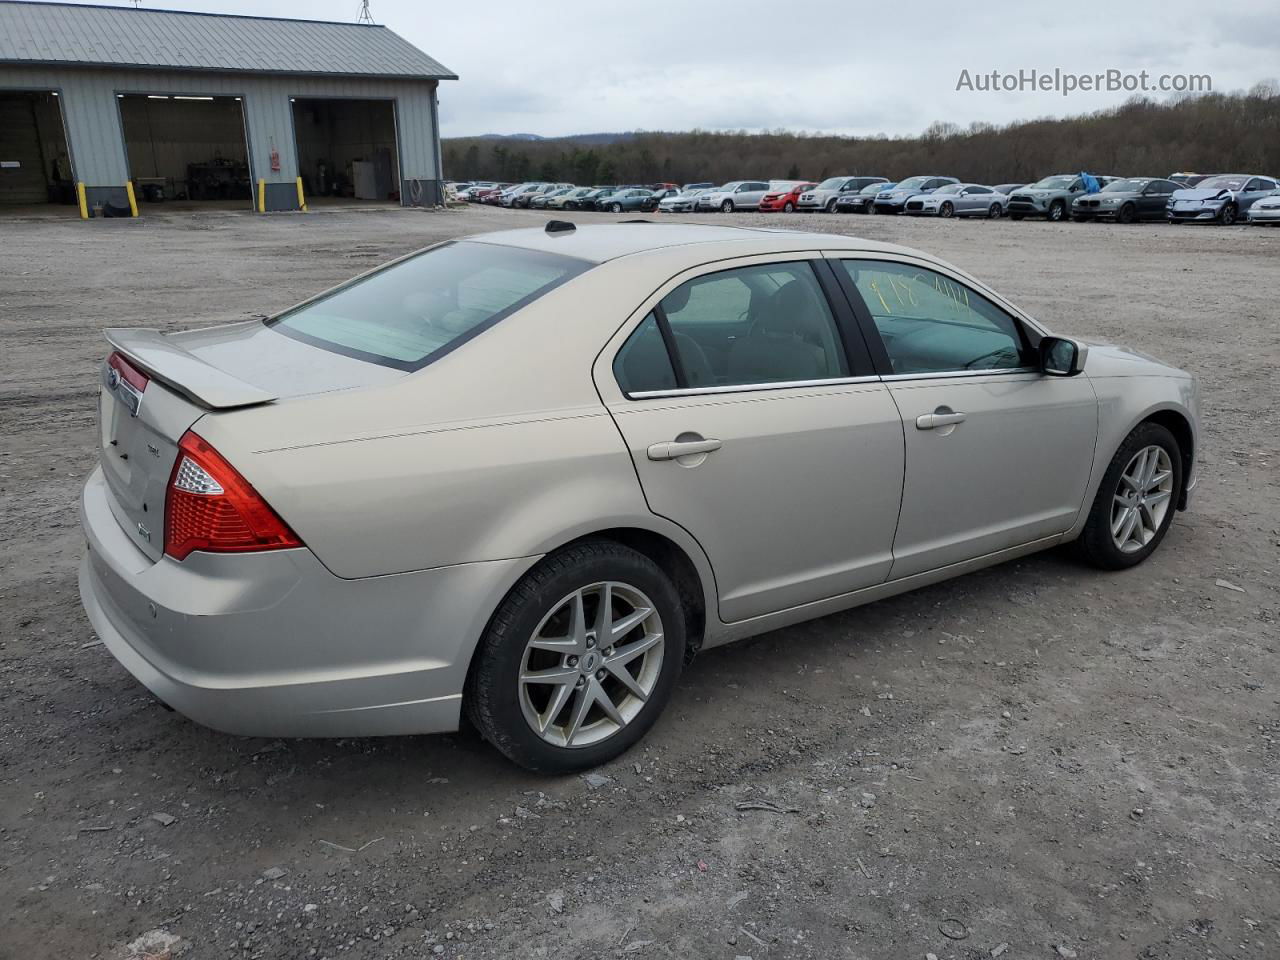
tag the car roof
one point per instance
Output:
(599, 243)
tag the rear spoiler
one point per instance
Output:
(161, 358)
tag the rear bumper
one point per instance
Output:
(273, 644)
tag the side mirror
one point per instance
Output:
(1060, 357)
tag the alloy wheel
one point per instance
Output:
(947, 210)
(1142, 499)
(591, 664)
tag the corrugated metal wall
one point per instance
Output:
(96, 140)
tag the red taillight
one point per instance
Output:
(128, 372)
(210, 506)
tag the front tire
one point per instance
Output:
(947, 211)
(1136, 500)
(726, 207)
(1128, 213)
(579, 659)
(1228, 215)
(1057, 211)
(788, 207)
(615, 207)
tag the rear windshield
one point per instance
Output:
(419, 309)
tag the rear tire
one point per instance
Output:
(505, 709)
(1117, 495)
(993, 213)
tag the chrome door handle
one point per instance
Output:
(927, 421)
(671, 449)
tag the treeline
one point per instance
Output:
(1237, 132)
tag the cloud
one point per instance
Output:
(574, 66)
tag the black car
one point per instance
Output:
(1125, 201)
(594, 199)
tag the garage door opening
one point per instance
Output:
(186, 150)
(35, 166)
(347, 150)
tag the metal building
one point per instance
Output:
(110, 108)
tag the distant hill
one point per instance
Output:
(1208, 133)
(590, 138)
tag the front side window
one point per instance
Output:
(931, 324)
(743, 327)
(421, 308)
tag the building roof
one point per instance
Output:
(84, 35)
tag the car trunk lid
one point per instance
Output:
(156, 386)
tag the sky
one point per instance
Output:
(569, 66)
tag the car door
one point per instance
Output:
(1155, 199)
(997, 454)
(779, 450)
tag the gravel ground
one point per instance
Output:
(1070, 763)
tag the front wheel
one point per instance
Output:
(1128, 213)
(615, 207)
(993, 212)
(1228, 215)
(579, 659)
(1136, 499)
(947, 211)
(726, 207)
(788, 207)
(1057, 210)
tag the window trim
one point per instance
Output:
(860, 363)
(1029, 332)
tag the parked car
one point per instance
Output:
(682, 202)
(527, 197)
(894, 199)
(1051, 197)
(824, 195)
(784, 199)
(357, 542)
(570, 200)
(863, 200)
(1007, 188)
(1222, 198)
(493, 195)
(1187, 179)
(625, 201)
(735, 195)
(508, 197)
(958, 200)
(1266, 210)
(1125, 201)
(591, 200)
(540, 201)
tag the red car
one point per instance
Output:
(784, 200)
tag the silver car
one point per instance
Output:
(1266, 210)
(528, 475)
(958, 200)
(682, 202)
(824, 196)
(735, 195)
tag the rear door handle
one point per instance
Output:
(927, 421)
(671, 449)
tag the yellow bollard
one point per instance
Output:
(133, 201)
(262, 196)
(84, 206)
(302, 201)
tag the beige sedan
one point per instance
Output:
(529, 474)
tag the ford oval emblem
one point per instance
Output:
(113, 378)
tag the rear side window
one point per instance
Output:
(744, 327)
(421, 308)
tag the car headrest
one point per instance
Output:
(677, 299)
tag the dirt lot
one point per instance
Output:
(1069, 763)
